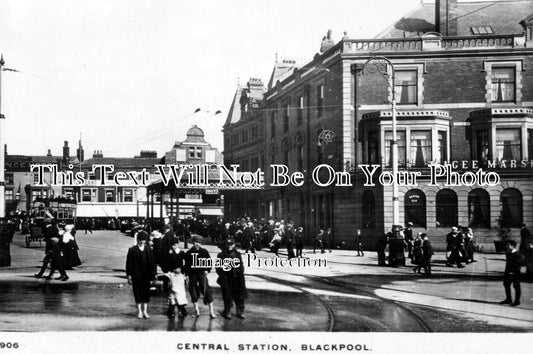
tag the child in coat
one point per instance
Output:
(177, 295)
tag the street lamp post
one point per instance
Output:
(2, 150)
(376, 61)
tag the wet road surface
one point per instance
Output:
(54, 306)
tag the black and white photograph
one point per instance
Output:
(266, 176)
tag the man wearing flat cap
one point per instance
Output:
(198, 284)
(231, 281)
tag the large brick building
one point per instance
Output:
(464, 90)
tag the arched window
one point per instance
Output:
(415, 208)
(285, 146)
(511, 207)
(478, 208)
(446, 201)
(369, 209)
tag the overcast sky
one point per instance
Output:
(129, 74)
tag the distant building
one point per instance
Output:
(184, 202)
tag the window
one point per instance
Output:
(405, 86)
(286, 148)
(400, 139)
(272, 124)
(319, 100)
(300, 110)
(508, 144)
(319, 148)
(109, 195)
(420, 148)
(272, 154)
(128, 195)
(191, 152)
(88, 195)
(482, 145)
(478, 208)
(198, 152)
(442, 147)
(446, 201)
(373, 148)
(69, 193)
(415, 208)
(503, 84)
(511, 207)
(482, 30)
(9, 195)
(9, 178)
(369, 209)
(299, 142)
(254, 131)
(286, 117)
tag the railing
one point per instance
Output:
(431, 42)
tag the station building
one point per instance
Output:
(461, 75)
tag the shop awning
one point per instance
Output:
(215, 212)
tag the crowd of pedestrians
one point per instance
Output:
(180, 273)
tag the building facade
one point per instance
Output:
(461, 76)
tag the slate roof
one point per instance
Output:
(282, 70)
(503, 16)
(121, 163)
(234, 112)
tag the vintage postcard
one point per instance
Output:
(266, 176)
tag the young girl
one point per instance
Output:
(177, 294)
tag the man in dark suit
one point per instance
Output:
(231, 281)
(380, 246)
(512, 274)
(427, 254)
(198, 284)
(50, 231)
(409, 239)
(526, 249)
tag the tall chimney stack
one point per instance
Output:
(66, 153)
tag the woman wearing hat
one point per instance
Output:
(141, 270)
(70, 248)
(231, 281)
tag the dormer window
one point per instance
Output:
(481, 30)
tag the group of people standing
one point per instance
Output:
(459, 246)
(61, 249)
(179, 271)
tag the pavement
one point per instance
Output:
(350, 294)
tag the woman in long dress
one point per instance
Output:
(70, 248)
(141, 271)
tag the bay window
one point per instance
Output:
(508, 144)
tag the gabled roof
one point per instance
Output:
(503, 16)
(282, 70)
(234, 112)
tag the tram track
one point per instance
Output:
(423, 326)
